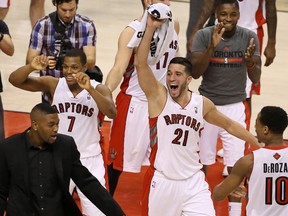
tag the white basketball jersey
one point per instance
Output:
(78, 117)
(177, 132)
(248, 18)
(130, 84)
(268, 184)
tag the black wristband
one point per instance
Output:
(1, 36)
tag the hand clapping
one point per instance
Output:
(250, 51)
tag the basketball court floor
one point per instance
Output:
(110, 17)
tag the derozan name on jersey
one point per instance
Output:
(275, 168)
(74, 108)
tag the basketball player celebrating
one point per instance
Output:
(78, 100)
(176, 118)
(266, 168)
(127, 153)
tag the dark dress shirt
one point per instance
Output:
(45, 189)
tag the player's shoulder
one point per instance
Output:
(245, 163)
(134, 24)
(127, 34)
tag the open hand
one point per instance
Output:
(217, 34)
(40, 62)
(250, 51)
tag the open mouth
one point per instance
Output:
(54, 137)
(173, 87)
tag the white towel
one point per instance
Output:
(162, 36)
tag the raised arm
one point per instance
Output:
(241, 169)
(200, 59)
(271, 17)
(213, 116)
(155, 91)
(101, 94)
(20, 78)
(149, 84)
(121, 60)
(253, 62)
(147, 80)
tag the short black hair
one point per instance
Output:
(57, 2)
(221, 2)
(44, 108)
(183, 61)
(275, 118)
(77, 53)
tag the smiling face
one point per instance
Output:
(229, 15)
(72, 65)
(177, 80)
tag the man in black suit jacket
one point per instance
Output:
(36, 167)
